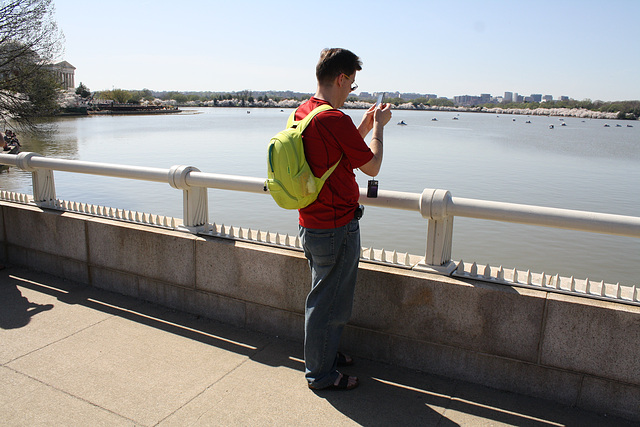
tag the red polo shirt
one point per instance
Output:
(329, 135)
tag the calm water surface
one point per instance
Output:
(582, 165)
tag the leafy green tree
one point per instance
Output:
(83, 91)
(141, 95)
(441, 102)
(120, 96)
(42, 91)
(180, 98)
(29, 41)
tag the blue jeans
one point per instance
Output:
(333, 256)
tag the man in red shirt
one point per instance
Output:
(329, 228)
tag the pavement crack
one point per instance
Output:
(55, 341)
(72, 395)
(216, 382)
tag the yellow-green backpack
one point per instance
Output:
(289, 178)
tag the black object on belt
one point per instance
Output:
(358, 212)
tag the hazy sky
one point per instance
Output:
(582, 49)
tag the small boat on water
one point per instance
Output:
(401, 123)
(434, 120)
(563, 124)
(455, 118)
(550, 126)
(606, 125)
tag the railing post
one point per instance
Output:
(433, 206)
(44, 189)
(195, 204)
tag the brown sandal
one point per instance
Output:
(344, 360)
(343, 384)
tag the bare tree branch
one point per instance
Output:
(29, 41)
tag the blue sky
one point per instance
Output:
(582, 49)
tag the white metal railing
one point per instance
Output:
(435, 205)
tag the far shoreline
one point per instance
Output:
(542, 112)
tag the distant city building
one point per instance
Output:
(508, 97)
(404, 95)
(564, 98)
(64, 73)
(410, 96)
(466, 100)
(548, 98)
(470, 100)
(537, 97)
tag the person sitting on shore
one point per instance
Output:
(10, 142)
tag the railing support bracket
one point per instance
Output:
(195, 204)
(433, 206)
(44, 189)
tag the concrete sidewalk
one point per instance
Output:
(72, 355)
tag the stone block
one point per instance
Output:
(277, 322)
(595, 337)
(146, 251)
(610, 397)
(476, 316)
(115, 281)
(368, 344)
(161, 293)
(480, 368)
(17, 255)
(52, 232)
(65, 268)
(216, 307)
(211, 306)
(251, 272)
(3, 253)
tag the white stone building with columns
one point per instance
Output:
(65, 73)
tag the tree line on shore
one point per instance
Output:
(621, 109)
(30, 40)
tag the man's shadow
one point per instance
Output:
(16, 310)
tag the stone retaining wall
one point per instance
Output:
(573, 350)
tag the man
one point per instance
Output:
(329, 228)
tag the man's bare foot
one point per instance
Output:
(352, 382)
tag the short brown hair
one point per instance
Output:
(334, 62)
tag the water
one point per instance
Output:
(582, 166)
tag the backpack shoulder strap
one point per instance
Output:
(331, 169)
(302, 124)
